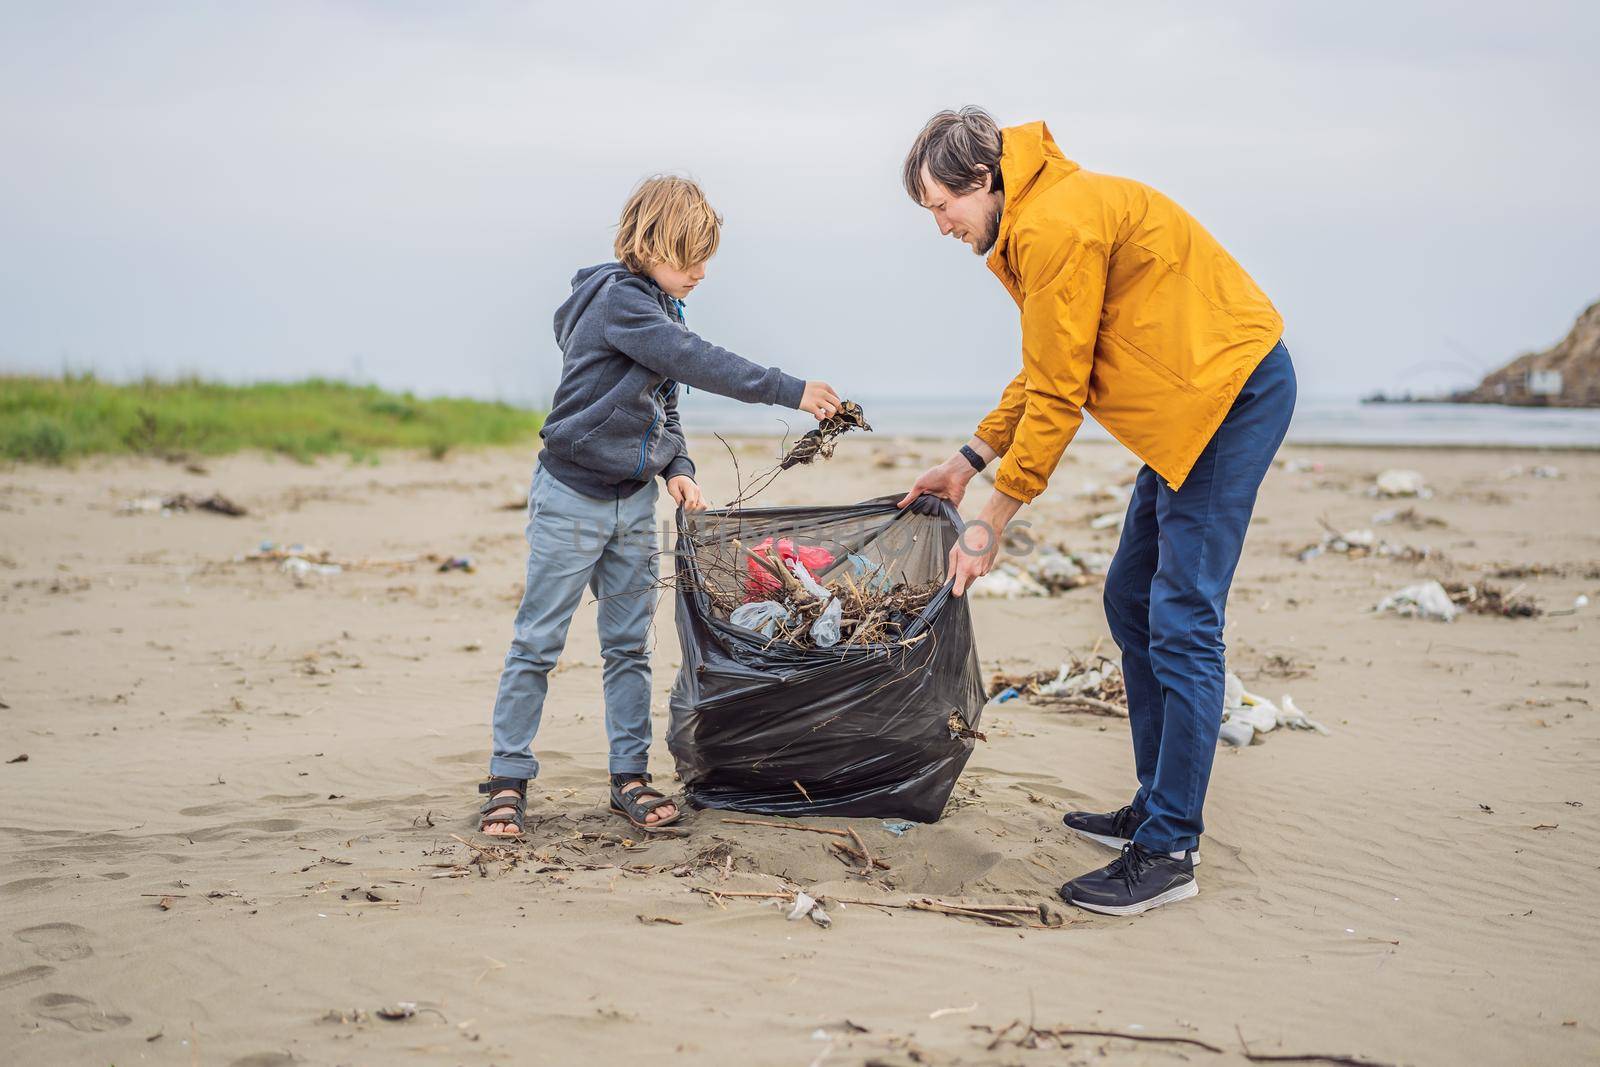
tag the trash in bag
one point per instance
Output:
(863, 728)
(873, 577)
(762, 581)
(825, 631)
(759, 615)
(808, 583)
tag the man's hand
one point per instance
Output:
(948, 480)
(686, 491)
(974, 552)
(820, 400)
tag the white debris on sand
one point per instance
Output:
(1246, 716)
(1425, 600)
(1396, 482)
(1007, 582)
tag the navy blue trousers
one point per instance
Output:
(1166, 595)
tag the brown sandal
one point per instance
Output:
(518, 805)
(633, 805)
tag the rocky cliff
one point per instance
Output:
(1566, 376)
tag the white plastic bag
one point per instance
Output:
(825, 631)
(810, 584)
(761, 616)
(1426, 600)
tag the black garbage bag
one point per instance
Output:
(878, 731)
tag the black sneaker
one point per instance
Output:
(1114, 829)
(1134, 882)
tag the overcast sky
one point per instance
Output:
(400, 191)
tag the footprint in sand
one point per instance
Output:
(57, 941)
(26, 975)
(266, 1059)
(76, 1012)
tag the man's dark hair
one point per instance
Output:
(960, 149)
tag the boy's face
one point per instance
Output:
(677, 284)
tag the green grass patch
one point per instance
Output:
(53, 420)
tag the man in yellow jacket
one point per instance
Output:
(1133, 312)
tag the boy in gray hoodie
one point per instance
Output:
(612, 429)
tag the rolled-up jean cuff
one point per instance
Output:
(513, 767)
(628, 765)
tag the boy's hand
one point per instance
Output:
(687, 493)
(820, 400)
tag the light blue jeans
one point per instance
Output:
(608, 546)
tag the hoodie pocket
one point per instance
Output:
(613, 447)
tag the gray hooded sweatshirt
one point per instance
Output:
(614, 423)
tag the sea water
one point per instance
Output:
(1317, 421)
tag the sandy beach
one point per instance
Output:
(233, 837)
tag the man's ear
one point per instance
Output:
(988, 180)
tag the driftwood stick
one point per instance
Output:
(788, 826)
(708, 891)
(1303, 1057)
(1059, 1031)
(1090, 704)
(866, 855)
(479, 849)
(992, 918)
(850, 855)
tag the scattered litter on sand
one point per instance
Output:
(1397, 483)
(1425, 600)
(1409, 517)
(1096, 493)
(303, 560)
(1486, 599)
(1246, 716)
(1093, 684)
(1050, 572)
(405, 1009)
(1301, 466)
(216, 503)
(1359, 544)
(301, 568)
(1059, 571)
(1007, 581)
(1541, 471)
(1442, 602)
(1020, 916)
(806, 907)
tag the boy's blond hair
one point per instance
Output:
(667, 220)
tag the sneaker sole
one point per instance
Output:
(1171, 896)
(1118, 842)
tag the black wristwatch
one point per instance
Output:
(972, 457)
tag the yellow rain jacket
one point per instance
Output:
(1129, 309)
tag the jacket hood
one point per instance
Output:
(1030, 160)
(586, 285)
